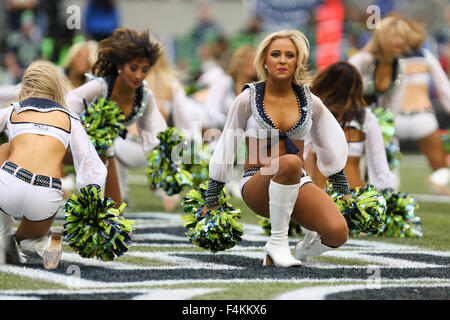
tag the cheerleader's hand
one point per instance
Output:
(347, 197)
(206, 209)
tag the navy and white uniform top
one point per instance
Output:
(247, 116)
(88, 166)
(145, 112)
(390, 98)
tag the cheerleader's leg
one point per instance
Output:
(433, 149)
(274, 196)
(112, 185)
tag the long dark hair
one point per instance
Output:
(122, 46)
(340, 88)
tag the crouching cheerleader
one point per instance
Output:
(280, 109)
(40, 128)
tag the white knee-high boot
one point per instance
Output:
(34, 247)
(9, 251)
(6, 224)
(311, 245)
(281, 203)
(49, 249)
(439, 180)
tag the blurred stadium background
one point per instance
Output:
(184, 26)
(162, 255)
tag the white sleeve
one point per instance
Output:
(88, 91)
(215, 99)
(361, 61)
(328, 139)
(377, 165)
(180, 112)
(89, 168)
(8, 93)
(222, 159)
(4, 115)
(150, 124)
(439, 79)
(306, 146)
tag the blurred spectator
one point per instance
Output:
(23, 46)
(101, 18)
(251, 35)
(15, 8)
(206, 28)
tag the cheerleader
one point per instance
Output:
(124, 61)
(416, 119)
(276, 114)
(79, 61)
(360, 126)
(172, 103)
(381, 69)
(40, 128)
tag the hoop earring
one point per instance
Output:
(119, 71)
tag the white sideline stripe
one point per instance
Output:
(321, 292)
(105, 287)
(181, 262)
(431, 198)
(174, 294)
(144, 294)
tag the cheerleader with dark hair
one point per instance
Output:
(124, 61)
(361, 128)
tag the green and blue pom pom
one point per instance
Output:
(199, 163)
(217, 230)
(401, 220)
(364, 212)
(103, 121)
(385, 119)
(94, 228)
(163, 172)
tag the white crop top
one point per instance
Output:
(247, 116)
(89, 168)
(17, 128)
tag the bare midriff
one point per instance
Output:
(257, 157)
(416, 98)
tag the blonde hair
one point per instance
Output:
(43, 79)
(239, 58)
(377, 45)
(90, 45)
(301, 74)
(161, 78)
(416, 35)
